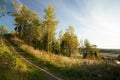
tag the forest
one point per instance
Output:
(114, 51)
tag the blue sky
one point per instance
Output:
(96, 20)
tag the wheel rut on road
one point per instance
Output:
(29, 62)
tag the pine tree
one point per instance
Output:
(49, 23)
(69, 43)
(27, 25)
(90, 51)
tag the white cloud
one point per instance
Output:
(98, 21)
(104, 26)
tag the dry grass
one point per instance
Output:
(21, 70)
(71, 68)
(57, 60)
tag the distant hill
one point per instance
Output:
(112, 51)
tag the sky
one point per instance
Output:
(96, 20)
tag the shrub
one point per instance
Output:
(7, 60)
(119, 57)
(91, 53)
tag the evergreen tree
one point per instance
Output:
(3, 30)
(69, 43)
(27, 25)
(90, 51)
(49, 24)
(60, 40)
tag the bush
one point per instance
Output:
(7, 60)
(118, 57)
(92, 53)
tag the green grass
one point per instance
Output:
(22, 70)
(70, 68)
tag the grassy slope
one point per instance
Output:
(22, 70)
(69, 68)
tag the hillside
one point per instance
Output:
(18, 69)
(48, 40)
(64, 67)
(111, 51)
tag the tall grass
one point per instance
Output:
(22, 70)
(70, 68)
(50, 57)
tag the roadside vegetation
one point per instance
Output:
(66, 66)
(13, 68)
(64, 56)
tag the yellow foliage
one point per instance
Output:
(58, 60)
(21, 66)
